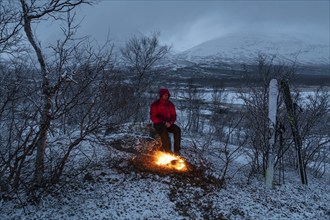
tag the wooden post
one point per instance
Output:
(292, 117)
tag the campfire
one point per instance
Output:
(171, 161)
(161, 162)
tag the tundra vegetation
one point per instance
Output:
(55, 99)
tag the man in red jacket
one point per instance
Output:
(163, 116)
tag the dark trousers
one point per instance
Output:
(163, 131)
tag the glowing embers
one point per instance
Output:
(169, 161)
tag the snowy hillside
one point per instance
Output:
(112, 188)
(244, 47)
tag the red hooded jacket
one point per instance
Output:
(162, 111)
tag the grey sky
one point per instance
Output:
(184, 24)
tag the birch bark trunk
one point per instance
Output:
(272, 111)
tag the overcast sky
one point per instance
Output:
(184, 24)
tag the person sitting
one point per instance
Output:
(163, 116)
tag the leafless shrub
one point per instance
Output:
(10, 26)
(141, 58)
(72, 95)
(18, 122)
(314, 134)
(192, 102)
(48, 111)
(311, 111)
(256, 107)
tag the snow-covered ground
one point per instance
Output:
(112, 188)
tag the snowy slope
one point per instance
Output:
(116, 191)
(244, 47)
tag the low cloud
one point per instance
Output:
(184, 24)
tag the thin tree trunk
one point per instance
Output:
(292, 116)
(46, 109)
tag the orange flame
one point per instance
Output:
(170, 161)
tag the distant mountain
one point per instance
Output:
(245, 47)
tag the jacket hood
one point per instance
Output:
(163, 92)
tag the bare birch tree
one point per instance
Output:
(141, 56)
(33, 11)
